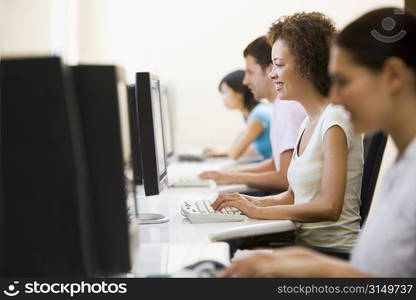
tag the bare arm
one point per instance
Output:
(266, 180)
(252, 131)
(264, 166)
(251, 201)
(328, 206)
(275, 180)
(291, 262)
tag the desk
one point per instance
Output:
(165, 248)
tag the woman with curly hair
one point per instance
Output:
(325, 172)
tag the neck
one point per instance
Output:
(402, 124)
(271, 94)
(245, 112)
(313, 103)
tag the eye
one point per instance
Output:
(342, 82)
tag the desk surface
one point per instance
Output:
(165, 248)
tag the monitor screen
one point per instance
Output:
(158, 127)
(151, 132)
(167, 122)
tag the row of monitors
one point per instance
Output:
(70, 140)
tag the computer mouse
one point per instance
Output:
(206, 268)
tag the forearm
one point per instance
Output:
(342, 268)
(264, 181)
(284, 198)
(314, 211)
(265, 166)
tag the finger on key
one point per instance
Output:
(229, 203)
(226, 197)
(218, 202)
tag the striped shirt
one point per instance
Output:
(305, 173)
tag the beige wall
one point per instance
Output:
(191, 45)
(25, 26)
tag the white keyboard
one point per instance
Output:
(201, 211)
(191, 181)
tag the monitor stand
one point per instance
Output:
(147, 218)
(151, 218)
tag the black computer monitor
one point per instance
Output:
(54, 222)
(167, 122)
(136, 158)
(104, 110)
(151, 133)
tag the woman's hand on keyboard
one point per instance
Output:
(242, 202)
(218, 176)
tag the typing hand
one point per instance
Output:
(218, 176)
(241, 202)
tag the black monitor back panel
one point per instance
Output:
(154, 179)
(135, 138)
(98, 98)
(45, 196)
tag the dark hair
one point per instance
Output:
(235, 81)
(370, 43)
(308, 36)
(261, 50)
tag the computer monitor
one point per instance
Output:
(151, 133)
(136, 158)
(167, 122)
(54, 223)
(104, 110)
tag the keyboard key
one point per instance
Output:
(201, 206)
(208, 206)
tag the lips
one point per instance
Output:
(278, 84)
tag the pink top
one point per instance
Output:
(286, 119)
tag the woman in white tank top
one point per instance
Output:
(326, 169)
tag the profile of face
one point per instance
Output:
(284, 73)
(255, 78)
(231, 98)
(363, 92)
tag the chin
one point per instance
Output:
(284, 97)
(361, 128)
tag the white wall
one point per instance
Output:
(191, 45)
(24, 27)
(39, 27)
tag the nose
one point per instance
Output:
(245, 79)
(272, 74)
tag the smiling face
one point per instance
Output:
(364, 93)
(231, 98)
(285, 74)
(256, 78)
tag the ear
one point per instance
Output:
(395, 74)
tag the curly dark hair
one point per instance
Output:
(308, 36)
